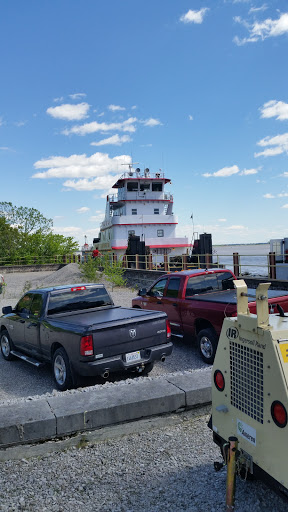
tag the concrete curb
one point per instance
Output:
(59, 416)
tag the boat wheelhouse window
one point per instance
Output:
(157, 187)
(131, 232)
(160, 232)
(132, 186)
(156, 211)
(134, 211)
(144, 186)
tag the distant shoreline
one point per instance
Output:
(249, 243)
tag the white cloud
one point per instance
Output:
(269, 196)
(249, 172)
(274, 108)
(56, 100)
(83, 209)
(115, 108)
(98, 165)
(151, 122)
(223, 173)
(285, 174)
(83, 185)
(69, 112)
(194, 16)
(236, 227)
(263, 8)
(67, 230)
(190, 118)
(283, 194)
(115, 140)
(84, 129)
(97, 218)
(19, 124)
(226, 172)
(77, 95)
(262, 30)
(284, 206)
(222, 220)
(278, 145)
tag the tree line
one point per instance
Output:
(27, 236)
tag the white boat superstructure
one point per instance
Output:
(143, 208)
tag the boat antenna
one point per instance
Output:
(131, 165)
(192, 238)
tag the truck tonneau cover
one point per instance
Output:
(106, 315)
(229, 296)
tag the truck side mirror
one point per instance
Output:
(7, 310)
(142, 292)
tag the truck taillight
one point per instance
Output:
(168, 329)
(219, 380)
(86, 345)
(279, 414)
(78, 288)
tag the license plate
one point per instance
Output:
(133, 356)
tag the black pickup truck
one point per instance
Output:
(81, 332)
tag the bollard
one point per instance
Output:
(231, 474)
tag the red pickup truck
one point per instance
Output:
(197, 301)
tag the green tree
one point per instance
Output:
(9, 240)
(27, 220)
(26, 236)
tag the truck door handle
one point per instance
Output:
(22, 321)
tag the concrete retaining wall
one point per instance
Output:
(55, 417)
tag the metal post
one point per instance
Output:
(166, 262)
(137, 261)
(236, 263)
(272, 265)
(150, 262)
(184, 262)
(231, 474)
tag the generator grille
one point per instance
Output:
(246, 370)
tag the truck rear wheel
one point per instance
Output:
(6, 346)
(207, 343)
(61, 370)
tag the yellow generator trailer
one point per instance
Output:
(250, 389)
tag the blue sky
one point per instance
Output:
(195, 88)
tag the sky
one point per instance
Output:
(198, 89)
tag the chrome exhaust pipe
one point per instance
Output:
(163, 359)
(105, 374)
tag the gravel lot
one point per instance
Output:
(166, 465)
(20, 380)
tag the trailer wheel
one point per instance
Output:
(61, 370)
(6, 346)
(207, 343)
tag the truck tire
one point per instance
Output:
(207, 343)
(6, 346)
(61, 370)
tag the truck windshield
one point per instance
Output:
(78, 300)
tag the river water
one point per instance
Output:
(253, 258)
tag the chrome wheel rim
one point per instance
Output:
(206, 347)
(5, 345)
(60, 370)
